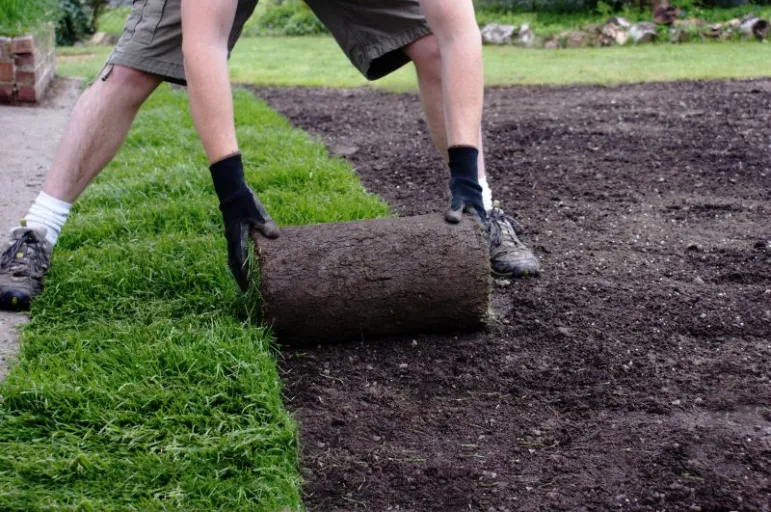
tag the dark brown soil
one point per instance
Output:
(633, 375)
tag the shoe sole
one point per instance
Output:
(516, 275)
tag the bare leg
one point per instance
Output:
(206, 27)
(424, 53)
(460, 44)
(99, 125)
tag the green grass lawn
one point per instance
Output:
(317, 61)
(141, 384)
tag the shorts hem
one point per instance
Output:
(168, 71)
(369, 59)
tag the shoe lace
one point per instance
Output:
(504, 229)
(30, 259)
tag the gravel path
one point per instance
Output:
(27, 147)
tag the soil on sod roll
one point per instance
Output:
(371, 278)
(633, 375)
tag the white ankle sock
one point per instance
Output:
(487, 194)
(50, 213)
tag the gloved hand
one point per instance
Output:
(241, 212)
(465, 191)
(465, 195)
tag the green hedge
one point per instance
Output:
(284, 18)
(16, 16)
(77, 19)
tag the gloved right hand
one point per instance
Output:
(465, 196)
(465, 191)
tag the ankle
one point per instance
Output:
(49, 213)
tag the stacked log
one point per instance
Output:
(752, 26)
(643, 32)
(615, 31)
(526, 37)
(496, 34)
(619, 31)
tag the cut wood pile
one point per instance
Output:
(667, 25)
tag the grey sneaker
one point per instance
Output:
(22, 267)
(509, 257)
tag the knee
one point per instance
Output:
(131, 83)
(426, 57)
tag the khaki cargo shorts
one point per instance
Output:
(372, 34)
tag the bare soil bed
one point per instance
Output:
(633, 375)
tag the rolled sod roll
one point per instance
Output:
(374, 278)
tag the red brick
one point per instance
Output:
(23, 44)
(7, 72)
(28, 94)
(28, 78)
(34, 69)
(5, 49)
(26, 61)
(7, 94)
(37, 92)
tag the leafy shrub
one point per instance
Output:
(78, 19)
(284, 18)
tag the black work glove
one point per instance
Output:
(241, 212)
(465, 191)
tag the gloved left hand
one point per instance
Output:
(241, 212)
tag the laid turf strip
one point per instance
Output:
(141, 382)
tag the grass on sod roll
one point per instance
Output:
(140, 386)
(317, 61)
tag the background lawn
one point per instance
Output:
(142, 384)
(317, 61)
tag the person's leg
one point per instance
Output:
(98, 127)
(207, 29)
(508, 255)
(425, 55)
(99, 124)
(460, 45)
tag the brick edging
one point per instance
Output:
(27, 65)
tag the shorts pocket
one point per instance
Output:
(151, 15)
(136, 15)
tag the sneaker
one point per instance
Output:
(22, 267)
(509, 257)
